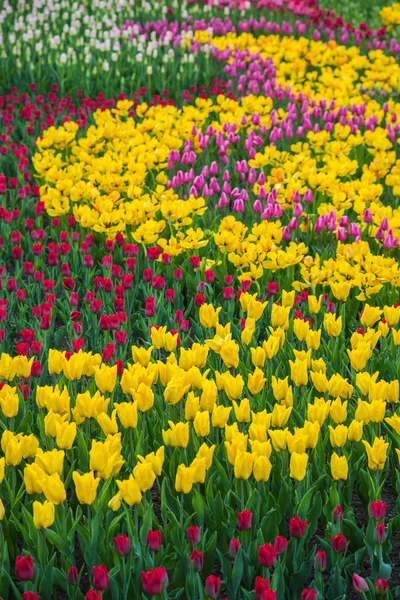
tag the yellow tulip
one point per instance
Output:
(243, 465)
(338, 411)
(220, 416)
(355, 431)
(206, 452)
(338, 435)
(332, 326)
(127, 414)
(376, 453)
(141, 355)
(50, 462)
(230, 354)
(262, 468)
(144, 476)
(144, 397)
(201, 423)
(370, 315)
(198, 468)
(192, 406)
(65, 435)
(255, 381)
(298, 372)
(130, 491)
(242, 411)
(86, 486)
(258, 356)
(43, 514)
(339, 467)
(183, 479)
(208, 315)
(53, 488)
(298, 466)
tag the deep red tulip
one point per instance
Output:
(379, 533)
(339, 543)
(122, 545)
(72, 576)
(337, 514)
(93, 595)
(154, 580)
(377, 510)
(320, 560)
(100, 578)
(193, 534)
(307, 594)
(280, 545)
(154, 540)
(212, 586)
(24, 568)
(244, 520)
(267, 555)
(30, 596)
(261, 585)
(381, 586)
(197, 560)
(297, 527)
(268, 595)
(234, 546)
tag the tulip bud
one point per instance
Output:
(297, 527)
(193, 534)
(280, 545)
(30, 596)
(359, 584)
(339, 543)
(100, 577)
(154, 540)
(234, 546)
(337, 514)
(379, 533)
(244, 520)
(24, 568)
(320, 560)
(260, 587)
(72, 576)
(122, 545)
(307, 594)
(212, 586)
(380, 586)
(196, 560)
(267, 555)
(377, 510)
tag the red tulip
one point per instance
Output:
(93, 595)
(377, 510)
(244, 520)
(268, 595)
(100, 577)
(379, 533)
(339, 543)
(267, 555)
(153, 540)
(196, 560)
(320, 560)
(193, 534)
(24, 568)
(122, 545)
(359, 584)
(307, 594)
(72, 576)
(234, 546)
(30, 596)
(381, 586)
(280, 545)
(337, 514)
(297, 527)
(153, 581)
(212, 586)
(261, 585)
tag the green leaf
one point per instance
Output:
(46, 585)
(237, 571)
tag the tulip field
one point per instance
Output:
(199, 300)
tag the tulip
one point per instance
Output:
(72, 576)
(307, 594)
(154, 580)
(122, 545)
(359, 584)
(93, 595)
(43, 514)
(320, 560)
(267, 555)
(297, 527)
(339, 543)
(30, 596)
(153, 541)
(193, 535)
(377, 510)
(379, 533)
(298, 465)
(212, 586)
(234, 546)
(24, 568)
(244, 520)
(337, 514)
(100, 577)
(196, 560)
(261, 585)
(269, 595)
(380, 586)
(85, 486)
(280, 545)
